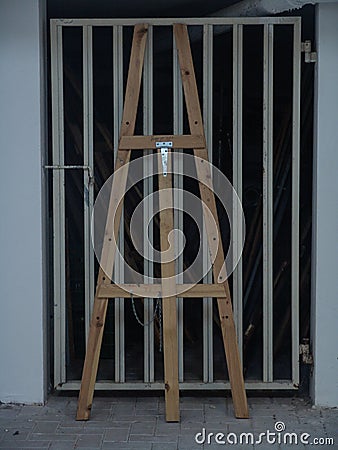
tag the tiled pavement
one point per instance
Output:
(138, 423)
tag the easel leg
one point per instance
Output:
(113, 223)
(92, 359)
(207, 197)
(233, 360)
(170, 342)
(170, 348)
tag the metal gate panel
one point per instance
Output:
(208, 24)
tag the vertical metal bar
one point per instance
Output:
(268, 205)
(178, 201)
(295, 202)
(237, 231)
(118, 266)
(207, 119)
(148, 208)
(58, 206)
(88, 160)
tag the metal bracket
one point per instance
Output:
(60, 167)
(164, 146)
(310, 57)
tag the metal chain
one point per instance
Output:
(144, 324)
(158, 309)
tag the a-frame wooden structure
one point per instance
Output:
(105, 289)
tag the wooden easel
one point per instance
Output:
(105, 289)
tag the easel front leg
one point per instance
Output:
(92, 358)
(207, 197)
(232, 358)
(170, 348)
(113, 223)
(170, 342)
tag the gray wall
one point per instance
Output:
(22, 337)
(324, 386)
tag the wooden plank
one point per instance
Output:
(207, 197)
(149, 142)
(112, 225)
(170, 342)
(200, 290)
(155, 290)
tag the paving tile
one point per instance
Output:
(125, 423)
(52, 436)
(189, 447)
(124, 399)
(128, 446)
(126, 408)
(239, 446)
(151, 403)
(116, 435)
(192, 416)
(168, 446)
(13, 426)
(70, 429)
(61, 445)
(89, 441)
(142, 428)
(25, 444)
(8, 415)
(31, 411)
(188, 442)
(152, 439)
(102, 402)
(191, 403)
(46, 427)
(185, 426)
(167, 429)
(91, 431)
(142, 415)
(9, 411)
(15, 435)
(134, 418)
(96, 424)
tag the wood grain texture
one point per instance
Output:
(170, 341)
(149, 142)
(155, 290)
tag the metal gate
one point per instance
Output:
(85, 167)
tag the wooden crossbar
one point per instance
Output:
(149, 142)
(168, 289)
(155, 290)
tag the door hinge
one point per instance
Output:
(304, 351)
(310, 57)
(164, 146)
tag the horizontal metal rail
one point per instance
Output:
(187, 21)
(185, 386)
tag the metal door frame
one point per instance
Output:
(268, 382)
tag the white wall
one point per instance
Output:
(22, 352)
(324, 384)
